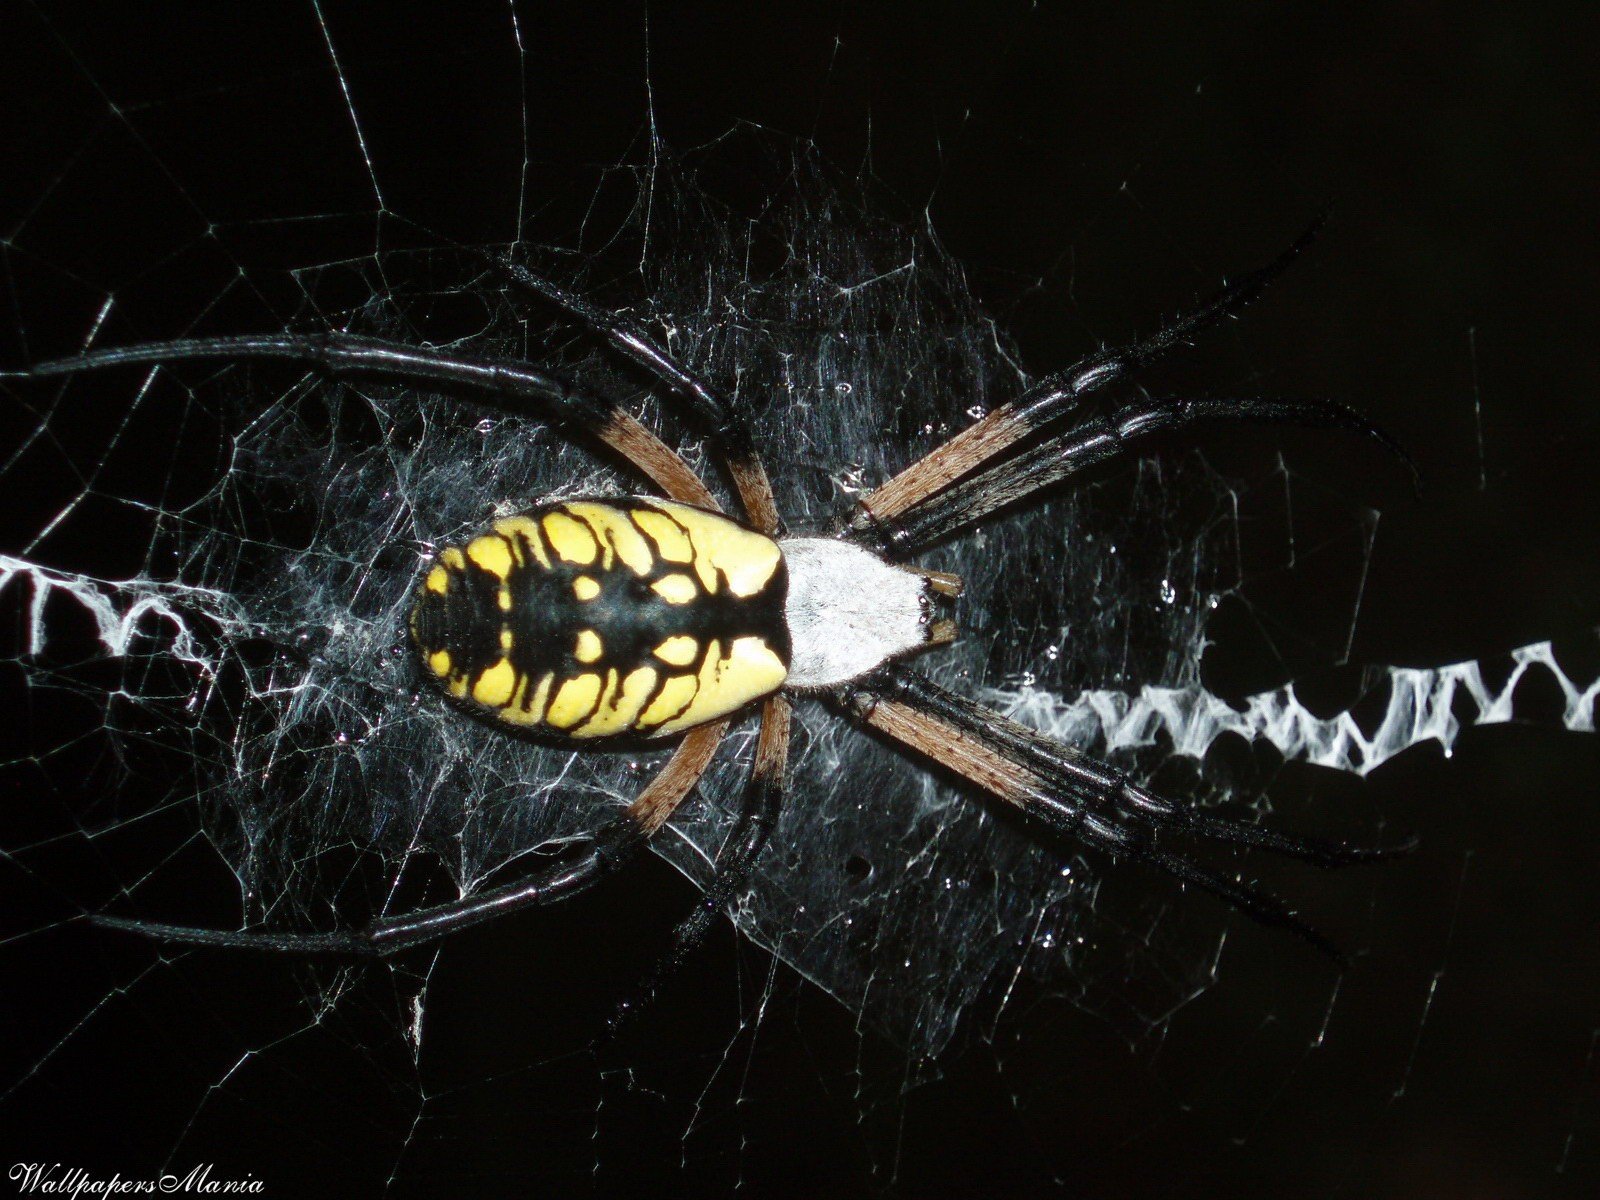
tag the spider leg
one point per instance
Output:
(758, 815)
(614, 844)
(494, 379)
(1074, 796)
(1072, 772)
(714, 410)
(1094, 441)
(1053, 398)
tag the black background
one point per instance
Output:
(1096, 169)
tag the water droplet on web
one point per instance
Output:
(486, 425)
(1168, 592)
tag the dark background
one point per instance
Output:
(1096, 169)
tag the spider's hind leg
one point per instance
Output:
(497, 381)
(758, 815)
(715, 412)
(600, 857)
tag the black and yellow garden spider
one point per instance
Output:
(632, 619)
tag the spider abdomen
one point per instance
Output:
(589, 619)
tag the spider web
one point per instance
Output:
(209, 568)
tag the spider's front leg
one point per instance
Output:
(1096, 440)
(1052, 399)
(1074, 796)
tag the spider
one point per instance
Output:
(625, 620)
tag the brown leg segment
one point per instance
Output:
(943, 465)
(388, 935)
(1094, 440)
(712, 409)
(1077, 797)
(758, 814)
(657, 460)
(666, 791)
(953, 749)
(1051, 399)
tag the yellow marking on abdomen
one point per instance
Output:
(675, 589)
(615, 530)
(669, 537)
(519, 711)
(747, 559)
(676, 692)
(602, 706)
(618, 711)
(589, 648)
(729, 681)
(438, 581)
(439, 663)
(585, 587)
(574, 701)
(496, 686)
(526, 711)
(522, 531)
(570, 539)
(678, 650)
(492, 554)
